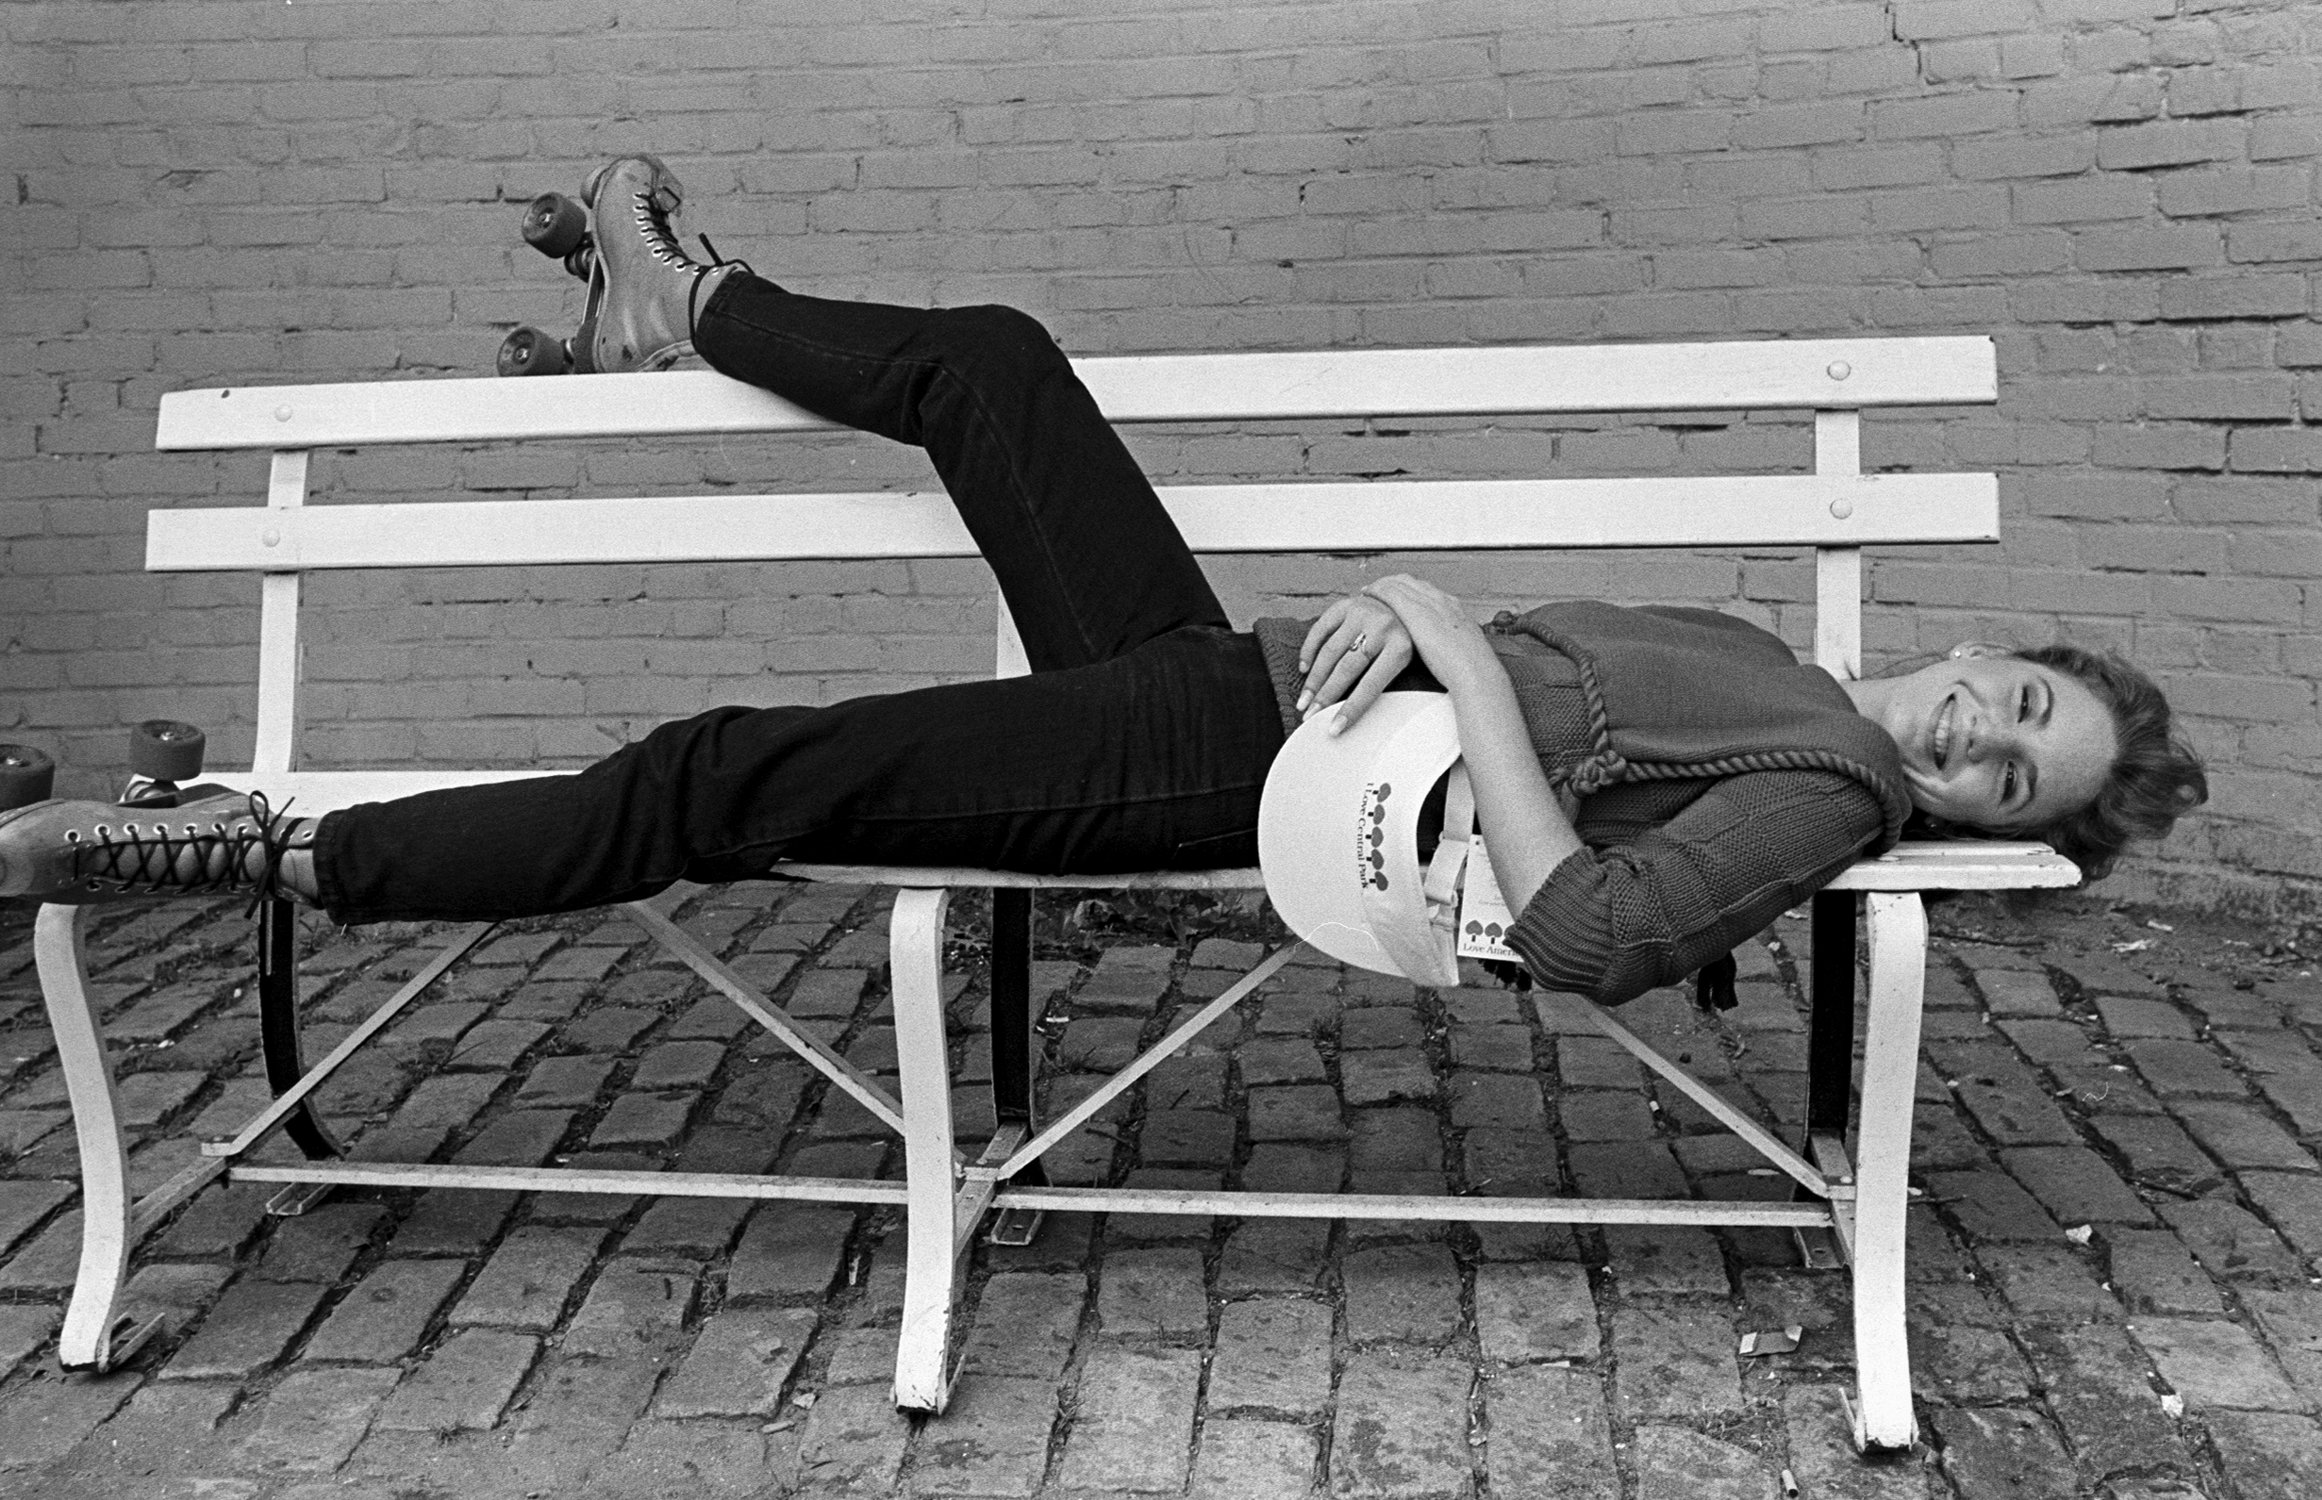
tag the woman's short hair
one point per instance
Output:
(2156, 776)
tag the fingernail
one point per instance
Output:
(1337, 726)
(1304, 699)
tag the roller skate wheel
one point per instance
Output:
(555, 225)
(27, 776)
(166, 750)
(529, 351)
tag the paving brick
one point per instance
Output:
(2048, 1283)
(314, 1418)
(2175, 1068)
(1368, 1078)
(47, 1416)
(23, 1329)
(24, 1204)
(464, 1384)
(1401, 1425)
(994, 1440)
(2291, 1322)
(320, 1244)
(529, 1278)
(1550, 1433)
(167, 1426)
(1606, 1117)
(1675, 1360)
(1273, 1255)
(1145, 1292)
(2215, 1363)
(2158, 1152)
(1960, 1364)
(642, 1120)
(2156, 1274)
(853, 1442)
(1627, 1169)
(2002, 1451)
(1820, 1429)
(1279, 1060)
(2127, 1017)
(1501, 1101)
(1535, 1310)
(1654, 1260)
(2267, 1455)
(2292, 1203)
(633, 1308)
(573, 1417)
(2098, 1387)
(738, 1364)
(1381, 1027)
(1990, 1206)
(1295, 1112)
(496, 1045)
(381, 1320)
(1024, 1324)
(2230, 1241)
(1403, 1292)
(453, 1221)
(1133, 1430)
(1253, 1460)
(248, 1329)
(2006, 1099)
(2017, 992)
(1272, 1354)
(2242, 1138)
(2076, 1185)
(1186, 1137)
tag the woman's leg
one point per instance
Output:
(1154, 758)
(1089, 561)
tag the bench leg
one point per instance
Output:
(1829, 1049)
(94, 1338)
(285, 1056)
(931, 1276)
(1015, 1050)
(1882, 1351)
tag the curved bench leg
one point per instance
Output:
(285, 1055)
(94, 1337)
(1882, 1350)
(931, 1277)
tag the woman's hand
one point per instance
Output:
(1352, 653)
(1451, 645)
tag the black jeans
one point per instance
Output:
(1140, 741)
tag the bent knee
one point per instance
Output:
(995, 332)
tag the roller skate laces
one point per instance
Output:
(640, 321)
(83, 852)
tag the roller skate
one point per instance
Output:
(642, 286)
(165, 836)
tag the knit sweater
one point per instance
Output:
(1714, 781)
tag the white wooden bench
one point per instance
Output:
(1850, 1199)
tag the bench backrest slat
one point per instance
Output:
(1386, 516)
(1820, 374)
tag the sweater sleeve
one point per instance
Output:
(1612, 923)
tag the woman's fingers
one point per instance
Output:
(1384, 669)
(1335, 657)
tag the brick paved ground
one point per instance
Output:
(2114, 1265)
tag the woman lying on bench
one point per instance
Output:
(1655, 785)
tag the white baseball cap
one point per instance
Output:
(1338, 837)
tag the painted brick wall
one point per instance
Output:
(2122, 191)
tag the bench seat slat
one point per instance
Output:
(1385, 516)
(1729, 376)
(1944, 865)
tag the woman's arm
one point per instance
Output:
(1523, 823)
(1614, 921)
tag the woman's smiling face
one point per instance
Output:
(1994, 742)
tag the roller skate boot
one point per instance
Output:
(643, 287)
(80, 853)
